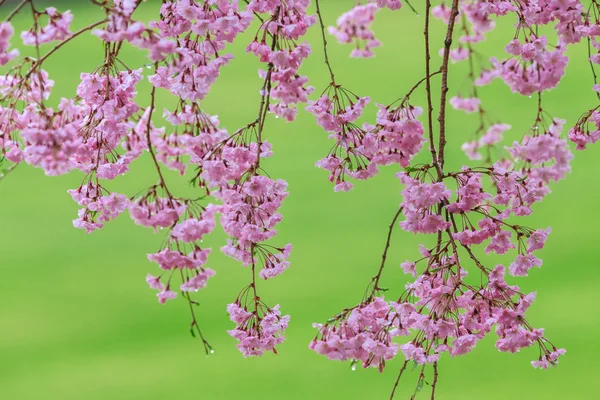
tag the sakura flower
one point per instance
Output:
(6, 33)
(523, 263)
(467, 105)
(165, 295)
(354, 26)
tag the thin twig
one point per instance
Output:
(435, 379)
(377, 277)
(432, 149)
(163, 183)
(398, 379)
(325, 43)
(16, 10)
(419, 82)
(8, 171)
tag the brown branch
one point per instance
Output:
(265, 99)
(435, 379)
(256, 298)
(444, 92)
(325, 43)
(194, 325)
(16, 10)
(377, 277)
(163, 183)
(398, 379)
(432, 149)
(419, 82)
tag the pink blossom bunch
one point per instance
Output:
(470, 208)
(587, 130)
(354, 147)
(52, 142)
(6, 33)
(492, 136)
(533, 67)
(99, 206)
(288, 22)
(197, 58)
(121, 27)
(258, 330)
(354, 26)
(399, 134)
(109, 102)
(466, 104)
(57, 28)
(419, 204)
(363, 333)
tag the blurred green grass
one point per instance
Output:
(78, 322)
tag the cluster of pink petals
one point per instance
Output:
(354, 26)
(470, 193)
(391, 4)
(587, 129)
(193, 229)
(168, 259)
(57, 28)
(156, 212)
(196, 61)
(358, 152)
(257, 333)
(399, 135)
(288, 22)
(420, 201)
(53, 141)
(488, 228)
(466, 104)
(493, 136)
(449, 316)
(546, 155)
(533, 68)
(98, 206)
(109, 102)
(354, 146)
(363, 333)
(6, 33)
(121, 27)
(249, 216)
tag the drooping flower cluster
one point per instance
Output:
(257, 333)
(351, 154)
(287, 23)
(104, 128)
(469, 208)
(533, 67)
(6, 33)
(57, 28)
(363, 333)
(420, 201)
(354, 27)
(359, 151)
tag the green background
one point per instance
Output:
(77, 320)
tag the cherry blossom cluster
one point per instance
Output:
(453, 298)
(354, 27)
(478, 209)
(107, 125)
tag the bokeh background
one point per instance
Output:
(77, 320)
